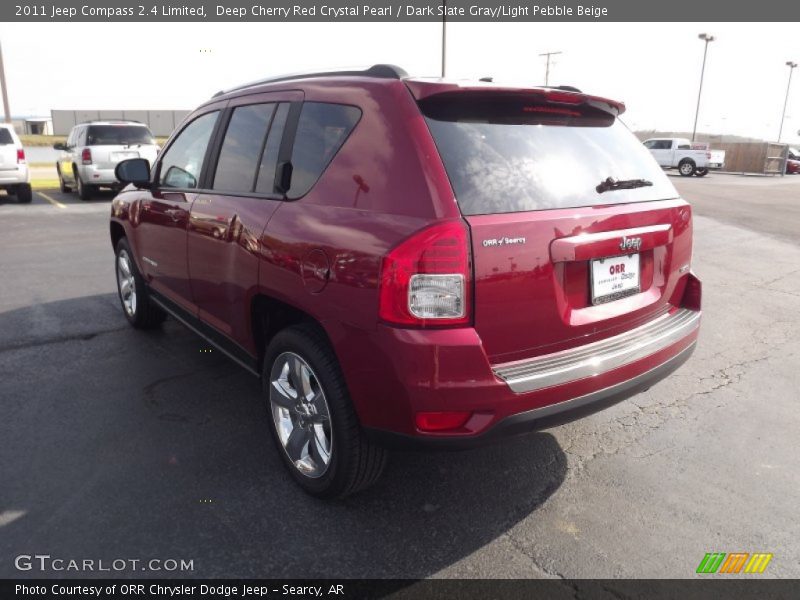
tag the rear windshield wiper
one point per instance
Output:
(611, 184)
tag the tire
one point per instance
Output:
(137, 306)
(298, 354)
(24, 193)
(701, 172)
(686, 167)
(65, 189)
(85, 191)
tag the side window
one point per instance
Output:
(181, 163)
(684, 147)
(650, 144)
(241, 148)
(269, 159)
(321, 131)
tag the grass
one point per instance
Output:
(48, 140)
(45, 183)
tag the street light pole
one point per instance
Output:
(444, 36)
(5, 91)
(707, 38)
(547, 68)
(792, 66)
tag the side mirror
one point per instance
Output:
(60, 146)
(175, 177)
(283, 177)
(135, 171)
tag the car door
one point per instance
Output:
(662, 152)
(65, 156)
(227, 221)
(163, 213)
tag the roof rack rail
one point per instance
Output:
(378, 71)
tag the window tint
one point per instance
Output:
(118, 135)
(684, 147)
(504, 156)
(269, 160)
(181, 163)
(241, 149)
(5, 136)
(321, 131)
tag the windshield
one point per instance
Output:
(511, 156)
(118, 135)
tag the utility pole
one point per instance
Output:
(444, 36)
(792, 66)
(547, 68)
(3, 85)
(708, 39)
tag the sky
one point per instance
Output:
(653, 67)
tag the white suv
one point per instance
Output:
(15, 178)
(93, 149)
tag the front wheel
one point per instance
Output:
(686, 168)
(61, 184)
(133, 294)
(701, 172)
(312, 419)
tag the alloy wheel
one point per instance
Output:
(301, 415)
(126, 282)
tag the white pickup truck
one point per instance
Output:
(690, 159)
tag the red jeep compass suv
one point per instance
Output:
(411, 260)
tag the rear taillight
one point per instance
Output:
(86, 156)
(20, 156)
(425, 281)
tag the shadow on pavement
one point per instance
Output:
(123, 444)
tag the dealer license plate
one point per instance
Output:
(614, 278)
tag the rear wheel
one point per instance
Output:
(85, 191)
(686, 167)
(140, 311)
(701, 172)
(312, 419)
(24, 193)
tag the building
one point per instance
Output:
(160, 122)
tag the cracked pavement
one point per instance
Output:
(119, 444)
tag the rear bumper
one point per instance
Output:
(540, 418)
(93, 175)
(398, 373)
(15, 176)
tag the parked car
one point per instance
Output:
(94, 149)
(793, 162)
(679, 153)
(411, 262)
(15, 178)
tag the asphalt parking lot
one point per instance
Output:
(117, 444)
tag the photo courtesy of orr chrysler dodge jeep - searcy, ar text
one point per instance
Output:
(411, 262)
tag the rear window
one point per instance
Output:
(509, 155)
(5, 136)
(118, 135)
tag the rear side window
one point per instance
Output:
(321, 131)
(5, 137)
(181, 163)
(507, 155)
(241, 149)
(118, 135)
